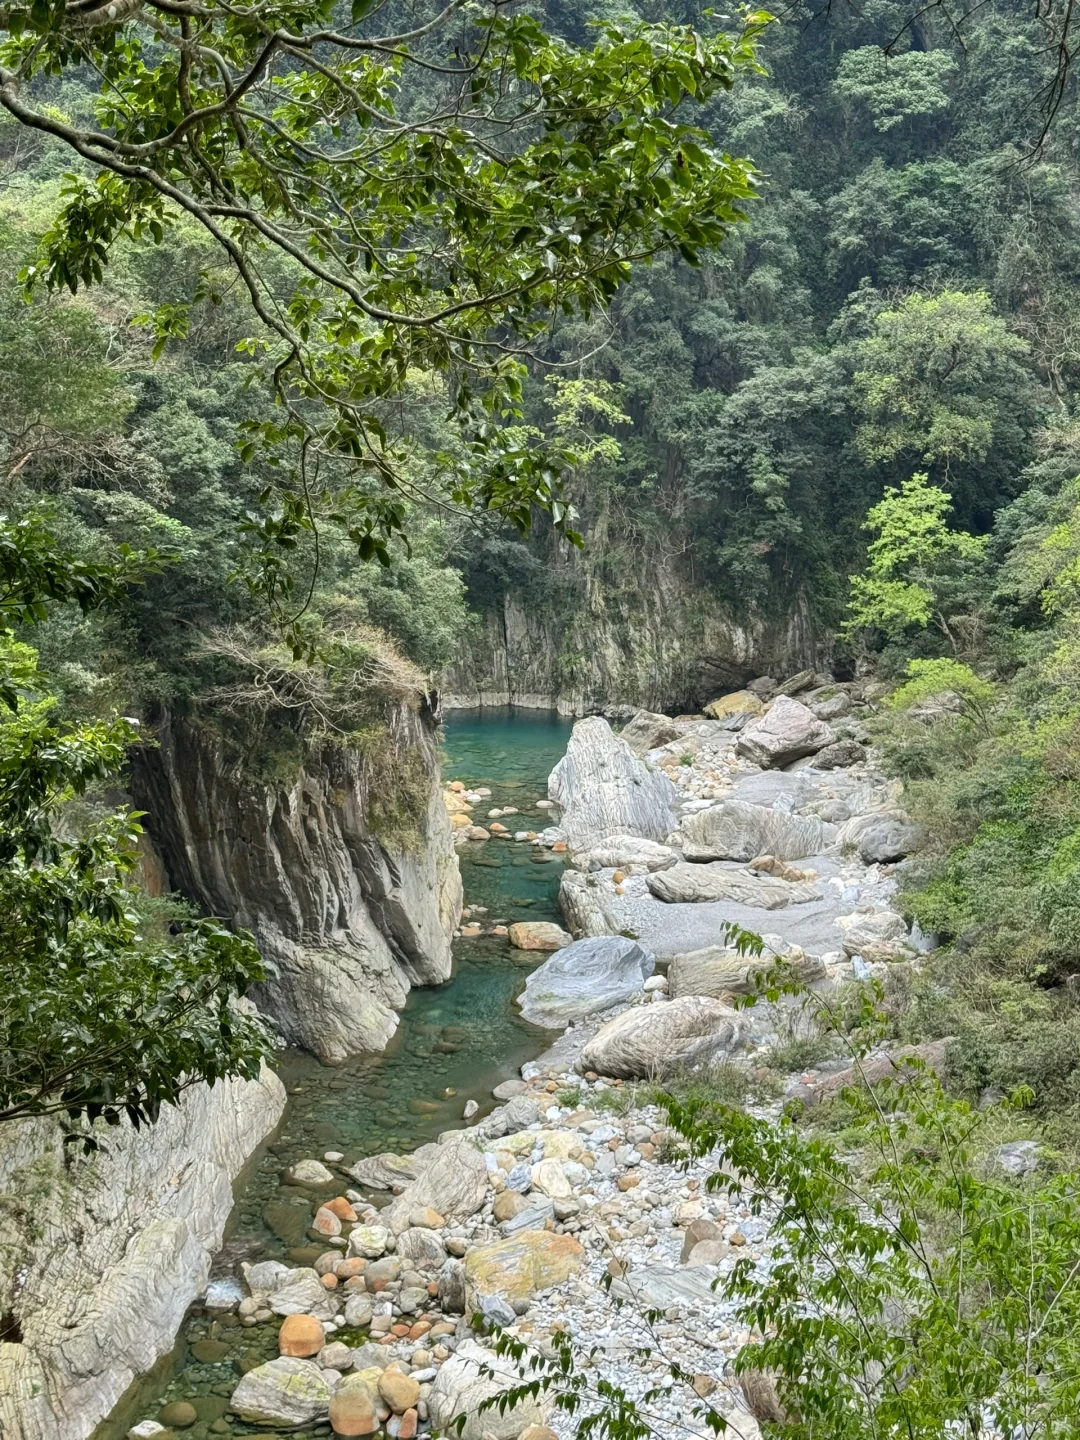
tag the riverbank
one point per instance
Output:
(571, 1183)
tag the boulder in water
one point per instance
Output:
(283, 1392)
(538, 935)
(585, 977)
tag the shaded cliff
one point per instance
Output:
(352, 900)
(101, 1255)
(666, 648)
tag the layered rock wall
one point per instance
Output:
(349, 921)
(101, 1254)
(674, 650)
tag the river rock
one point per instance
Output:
(368, 1241)
(718, 971)
(401, 1392)
(301, 1292)
(421, 1248)
(384, 1172)
(882, 836)
(585, 977)
(876, 936)
(475, 1374)
(585, 906)
(786, 732)
(622, 852)
(686, 884)
(309, 1172)
(521, 1266)
(282, 1392)
(740, 702)
(359, 1310)
(655, 1039)
(538, 935)
(604, 789)
(737, 830)
(452, 1179)
(549, 1177)
(645, 731)
(655, 1287)
(353, 1408)
(840, 755)
(507, 1089)
(452, 1287)
(301, 1336)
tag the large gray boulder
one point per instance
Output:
(301, 1292)
(786, 732)
(603, 789)
(648, 1040)
(687, 884)
(880, 935)
(451, 1179)
(585, 977)
(384, 1171)
(737, 830)
(718, 971)
(882, 836)
(644, 731)
(472, 1375)
(656, 1287)
(283, 1392)
(621, 852)
(585, 906)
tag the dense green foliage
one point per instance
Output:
(109, 1009)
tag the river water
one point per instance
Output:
(455, 1043)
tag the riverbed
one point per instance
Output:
(454, 1044)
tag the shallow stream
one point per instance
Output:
(455, 1043)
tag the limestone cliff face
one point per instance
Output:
(101, 1255)
(350, 921)
(675, 648)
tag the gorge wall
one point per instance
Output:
(663, 648)
(351, 911)
(101, 1254)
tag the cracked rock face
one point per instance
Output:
(603, 789)
(349, 922)
(106, 1252)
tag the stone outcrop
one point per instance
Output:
(675, 645)
(786, 732)
(603, 789)
(102, 1254)
(471, 1377)
(886, 835)
(736, 830)
(717, 971)
(650, 1040)
(585, 977)
(349, 920)
(644, 731)
(686, 884)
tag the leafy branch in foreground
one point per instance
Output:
(910, 1289)
(428, 201)
(105, 1013)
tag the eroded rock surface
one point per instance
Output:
(128, 1237)
(350, 921)
(584, 978)
(603, 789)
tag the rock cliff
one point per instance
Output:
(100, 1255)
(350, 920)
(676, 648)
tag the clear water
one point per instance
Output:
(455, 1043)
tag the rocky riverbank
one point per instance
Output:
(569, 1186)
